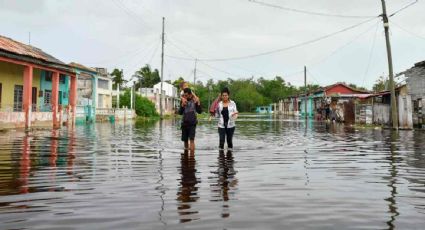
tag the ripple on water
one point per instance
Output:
(281, 174)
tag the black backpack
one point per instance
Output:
(189, 114)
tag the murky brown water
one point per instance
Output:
(282, 175)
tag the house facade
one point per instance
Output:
(86, 93)
(35, 87)
(170, 99)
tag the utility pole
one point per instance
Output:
(194, 73)
(305, 92)
(390, 67)
(132, 96)
(118, 96)
(162, 69)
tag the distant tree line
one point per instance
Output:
(246, 92)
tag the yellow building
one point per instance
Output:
(11, 86)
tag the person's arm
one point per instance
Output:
(235, 112)
(181, 109)
(198, 107)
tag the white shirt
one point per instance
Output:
(232, 110)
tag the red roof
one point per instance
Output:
(341, 88)
(17, 48)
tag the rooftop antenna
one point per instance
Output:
(29, 38)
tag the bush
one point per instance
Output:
(144, 107)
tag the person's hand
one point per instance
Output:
(184, 101)
(196, 100)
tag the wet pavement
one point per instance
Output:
(282, 174)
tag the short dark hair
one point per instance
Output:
(225, 90)
(187, 90)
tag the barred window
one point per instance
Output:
(103, 84)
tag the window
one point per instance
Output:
(34, 95)
(34, 99)
(60, 94)
(62, 79)
(103, 84)
(17, 98)
(48, 76)
(47, 96)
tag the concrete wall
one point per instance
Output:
(381, 114)
(405, 112)
(17, 119)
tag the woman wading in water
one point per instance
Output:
(226, 114)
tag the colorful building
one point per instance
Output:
(86, 93)
(35, 87)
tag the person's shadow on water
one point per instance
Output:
(187, 193)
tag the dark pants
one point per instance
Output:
(188, 133)
(226, 133)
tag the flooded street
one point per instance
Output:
(283, 174)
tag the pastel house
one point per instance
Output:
(35, 87)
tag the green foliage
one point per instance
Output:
(149, 78)
(380, 84)
(118, 78)
(143, 106)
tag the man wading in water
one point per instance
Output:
(189, 107)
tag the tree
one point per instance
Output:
(380, 84)
(118, 78)
(177, 82)
(360, 88)
(149, 77)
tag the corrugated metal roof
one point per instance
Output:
(16, 48)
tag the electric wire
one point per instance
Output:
(403, 8)
(306, 11)
(407, 31)
(372, 49)
(281, 49)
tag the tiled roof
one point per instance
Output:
(12, 46)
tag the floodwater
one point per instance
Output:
(282, 174)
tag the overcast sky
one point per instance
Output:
(126, 34)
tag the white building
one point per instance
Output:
(104, 89)
(170, 99)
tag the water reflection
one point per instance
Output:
(392, 181)
(24, 165)
(223, 190)
(187, 193)
(290, 175)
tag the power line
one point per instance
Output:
(370, 55)
(285, 48)
(154, 52)
(403, 8)
(344, 45)
(308, 12)
(194, 58)
(407, 31)
(312, 76)
(130, 13)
